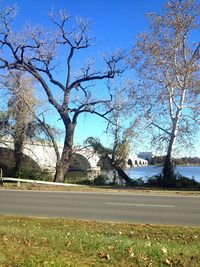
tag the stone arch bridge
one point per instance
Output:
(135, 161)
(83, 159)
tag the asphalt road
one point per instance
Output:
(117, 207)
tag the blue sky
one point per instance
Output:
(114, 23)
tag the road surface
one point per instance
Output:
(117, 207)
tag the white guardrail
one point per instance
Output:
(17, 180)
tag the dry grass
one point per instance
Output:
(85, 188)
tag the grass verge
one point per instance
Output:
(92, 188)
(60, 242)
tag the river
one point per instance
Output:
(147, 171)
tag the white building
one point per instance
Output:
(146, 155)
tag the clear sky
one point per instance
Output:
(115, 23)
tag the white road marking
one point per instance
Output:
(140, 205)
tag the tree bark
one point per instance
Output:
(122, 174)
(62, 165)
(18, 159)
(169, 177)
(168, 167)
(120, 171)
(19, 138)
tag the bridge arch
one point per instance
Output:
(136, 162)
(7, 161)
(79, 163)
(130, 163)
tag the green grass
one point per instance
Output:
(60, 242)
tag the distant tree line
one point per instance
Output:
(178, 161)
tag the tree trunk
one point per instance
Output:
(169, 177)
(123, 175)
(18, 160)
(18, 151)
(119, 170)
(62, 165)
(168, 167)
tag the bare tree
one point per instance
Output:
(21, 105)
(36, 51)
(168, 65)
(20, 120)
(122, 128)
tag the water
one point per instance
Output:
(147, 171)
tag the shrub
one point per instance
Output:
(34, 174)
(101, 180)
(137, 182)
(84, 182)
(180, 182)
(155, 181)
(184, 182)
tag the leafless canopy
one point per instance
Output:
(167, 61)
(36, 50)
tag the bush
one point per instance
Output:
(101, 180)
(84, 182)
(7, 172)
(77, 177)
(33, 174)
(184, 182)
(180, 182)
(137, 182)
(155, 181)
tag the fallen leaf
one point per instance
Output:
(131, 253)
(142, 257)
(69, 242)
(147, 236)
(147, 244)
(104, 255)
(168, 262)
(164, 250)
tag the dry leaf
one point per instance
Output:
(110, 247)
(147, 236)
(148, 244)
(164, 250)
(69, 242)
(142, 257)
(103, 255)
(168, 262)
(130, 251)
